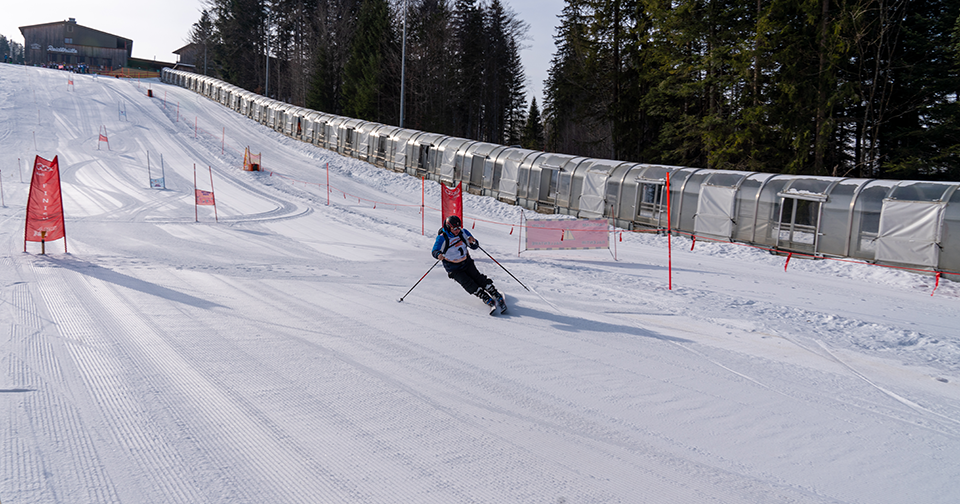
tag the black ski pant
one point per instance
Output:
(469, 277)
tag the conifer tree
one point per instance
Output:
(320, 93)
(470, 45)
(533, 137)
(202, 36)
(242, 34)
(432, 88)
(365, 85)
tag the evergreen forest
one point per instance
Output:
(460, 60)
(847, 88)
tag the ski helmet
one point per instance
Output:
(453, 222)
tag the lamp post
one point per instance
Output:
(266, 91)
(403, 62)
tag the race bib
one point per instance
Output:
(457, 251)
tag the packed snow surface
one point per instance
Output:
(260, 354)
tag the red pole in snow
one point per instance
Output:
(520, 234)
(669, 240)
(214, 195)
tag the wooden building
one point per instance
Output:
(67, 43)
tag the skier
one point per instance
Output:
(451, 247)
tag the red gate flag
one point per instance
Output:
(103, 137)
(204, 197)
(45, 204)
(201, 197)
(451, 201)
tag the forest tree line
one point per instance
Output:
(11, 51)
(463, 75)
(852, 88)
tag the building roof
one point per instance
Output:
(74, 22)
(189, 47)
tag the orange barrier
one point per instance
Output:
(129, 73)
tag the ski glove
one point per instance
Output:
(474, 245)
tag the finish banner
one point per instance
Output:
(451, 201)
(45, 204)
(567, 234)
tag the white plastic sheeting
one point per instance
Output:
(910, 232)
(715, 209)
(593, 194)
(363, 143)
(510, 172)
(448, 157)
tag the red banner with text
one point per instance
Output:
(451, 201)
(45, 204)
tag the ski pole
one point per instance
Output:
(521, 283)
(504, 269)
(418, 281)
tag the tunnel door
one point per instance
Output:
(798, 226)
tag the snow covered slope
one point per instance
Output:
(265, 358)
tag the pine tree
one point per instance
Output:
(533, 137)
(432, 92)
(320, 93)
(470, 45)
(364, 85)
(5, 48)
(202, 35)
(241, 32)
(516, 96)
(576, 99)
(920, 136)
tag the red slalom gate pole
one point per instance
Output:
(520, 234)
(669, 240)
(423, 210)
(196, 214)
(328, 184)
(217, 217)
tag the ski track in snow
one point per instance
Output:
(264, 358)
